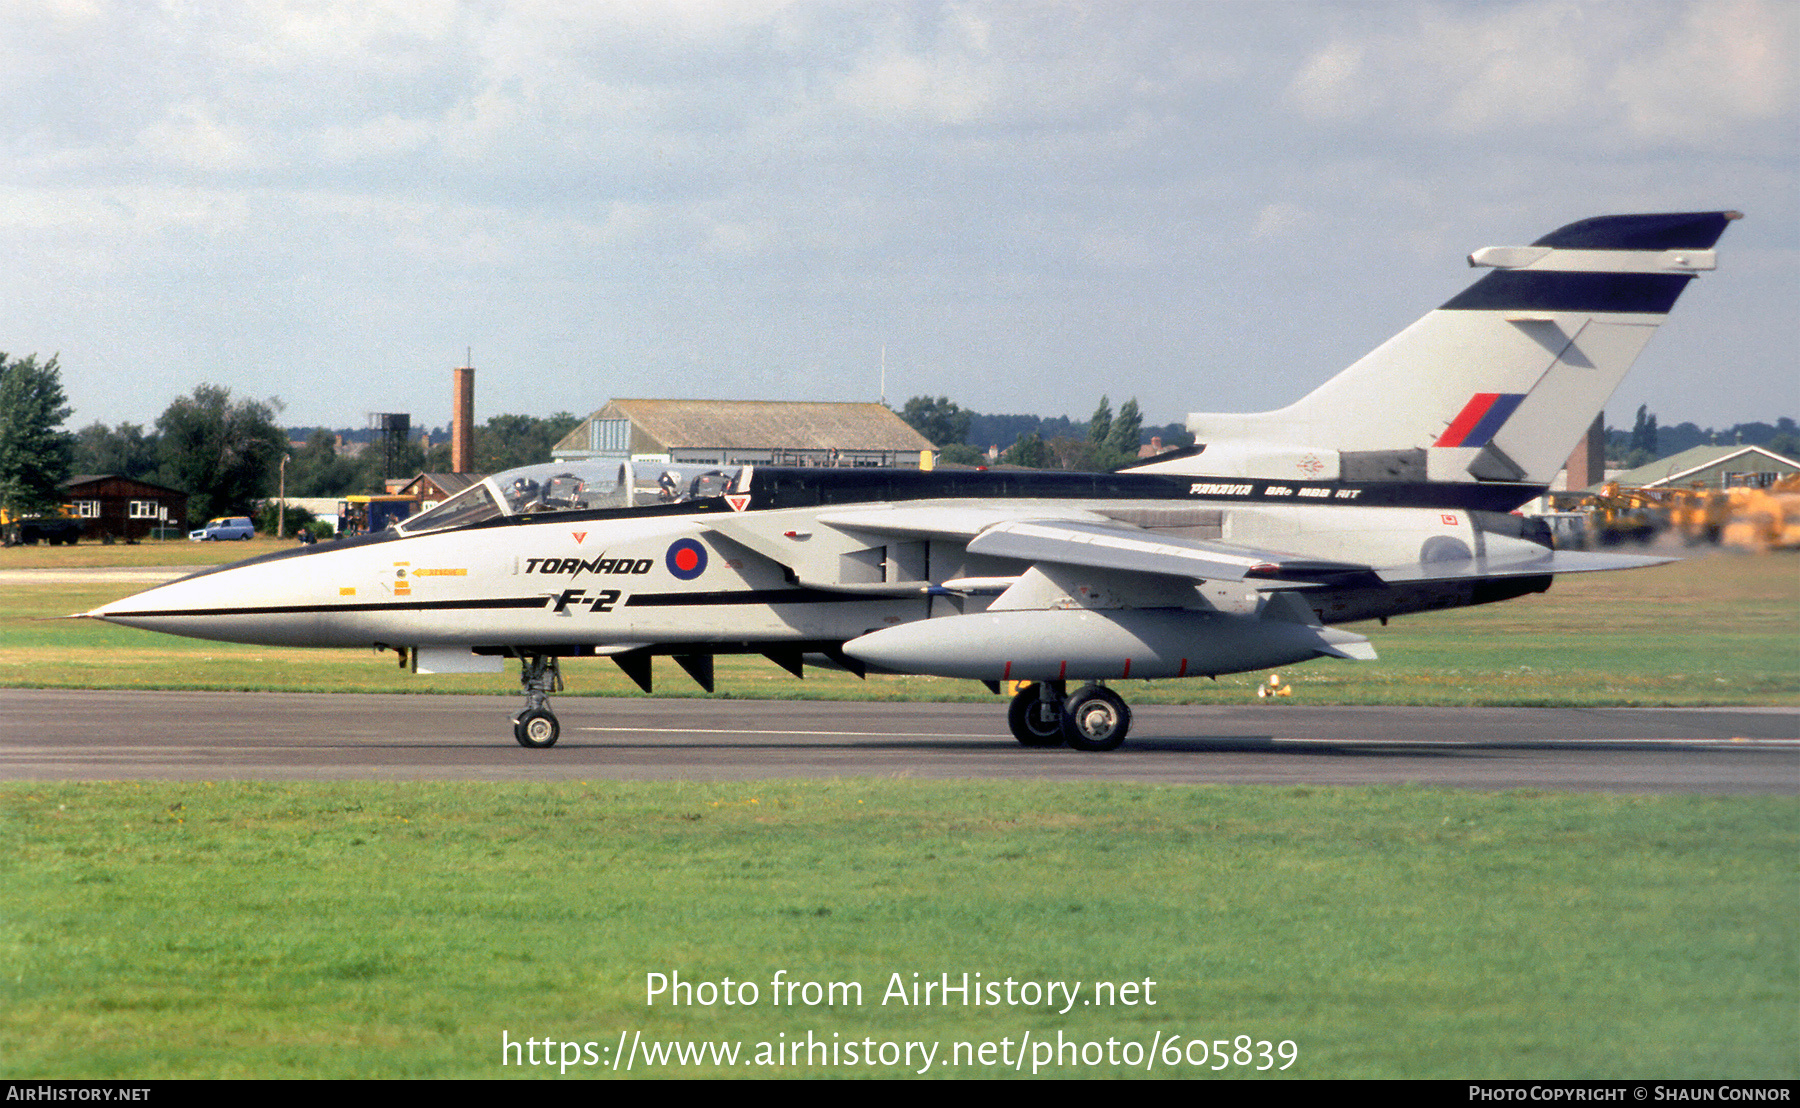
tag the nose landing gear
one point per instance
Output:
(536, 726)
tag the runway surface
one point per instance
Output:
(96, 735)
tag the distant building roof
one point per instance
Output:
(672, 426)
(94, 478)
(447, 483)
(1704, 464)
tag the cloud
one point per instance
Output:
(1038, 192)
(1687, 73)
(943, 89)
(1726, 65)
(1280, 220)
(742, 239)
(191, 136)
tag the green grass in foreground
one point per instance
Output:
(151, 552)
(1719, 628)
(156, 930)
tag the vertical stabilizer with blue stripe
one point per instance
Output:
(1499, 383)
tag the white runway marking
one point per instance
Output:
(1789, 744)
(814, 734)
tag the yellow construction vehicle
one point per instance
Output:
(1764, 519)
(1758, 518)
(1616, 515)
(26, 530)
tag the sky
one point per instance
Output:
(1020, 206)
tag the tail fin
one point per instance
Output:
(1498, 384)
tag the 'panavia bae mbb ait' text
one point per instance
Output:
(1388, 490)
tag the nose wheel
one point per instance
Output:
(536, 726)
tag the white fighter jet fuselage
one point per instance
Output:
(1387, 491)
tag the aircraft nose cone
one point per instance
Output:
(258, 601)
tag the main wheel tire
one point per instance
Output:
(1095, 719)
(536, 728)
(1025, 717)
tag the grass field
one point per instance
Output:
(379, 930)
(1718, 628)
(170, 552)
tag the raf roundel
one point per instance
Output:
(686, 559)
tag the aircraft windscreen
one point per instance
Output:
(573, 487)
(472, 505)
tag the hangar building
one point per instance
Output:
(757, 432)
(1712, 467)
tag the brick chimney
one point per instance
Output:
(462, 421)
(1587, 465)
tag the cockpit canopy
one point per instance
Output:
(575, 487)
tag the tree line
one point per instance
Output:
(225, 452)
(1106, 441)
(35, 452)
(1646, 441)
(322, 468)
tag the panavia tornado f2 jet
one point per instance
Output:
(1387, 490)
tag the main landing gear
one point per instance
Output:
(536, 726)
(1044, 714)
